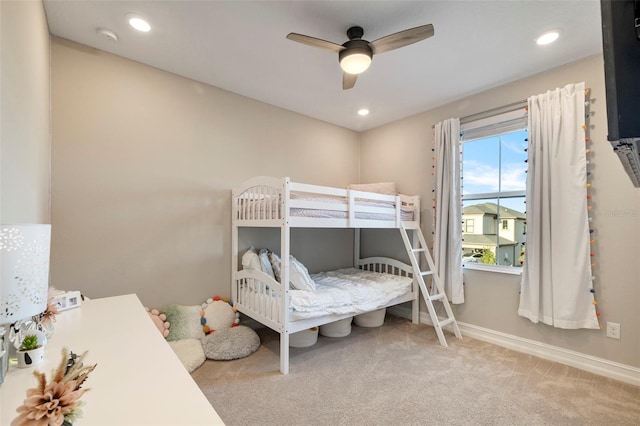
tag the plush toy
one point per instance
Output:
(217, 313)
(159, 320)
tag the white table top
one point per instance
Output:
(138, 381)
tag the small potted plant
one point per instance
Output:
(31, 349)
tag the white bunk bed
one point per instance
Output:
(280, 203)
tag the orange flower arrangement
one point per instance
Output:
(55, 403)
(51, 312)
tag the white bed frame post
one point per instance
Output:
(415, 304)
(284, 259)
(234, 247)
(356, 247)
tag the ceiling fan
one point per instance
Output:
(355, 55)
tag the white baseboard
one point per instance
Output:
(592, 364)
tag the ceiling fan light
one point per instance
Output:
(355, 63)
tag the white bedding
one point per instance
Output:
(347, 291)
(310, 205)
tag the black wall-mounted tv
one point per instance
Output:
(621, 50)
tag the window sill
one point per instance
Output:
(511, 270)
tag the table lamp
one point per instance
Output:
(24, 278)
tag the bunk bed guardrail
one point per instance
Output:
(261, 201)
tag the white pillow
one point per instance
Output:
(299, 278)
(250, 260)
(265, 263)
(387, 188)
(275, 265)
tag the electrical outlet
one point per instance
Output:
(613, 330)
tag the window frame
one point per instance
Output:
(484, 128)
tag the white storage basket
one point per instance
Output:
(371, 319)
(340, 328)
(304, 338)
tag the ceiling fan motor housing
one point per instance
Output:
(354, 47)
(356, 57)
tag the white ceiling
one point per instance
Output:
(240, 46)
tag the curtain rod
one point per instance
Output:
(499, 110)
(493, 111)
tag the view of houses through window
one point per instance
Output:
(494, 188)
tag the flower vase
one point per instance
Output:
(30, 358)
(47, 327)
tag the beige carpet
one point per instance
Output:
(397, 374)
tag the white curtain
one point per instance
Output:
(448, 230)
(556, 280)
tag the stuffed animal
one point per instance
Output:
(159, 320)
(217, 313)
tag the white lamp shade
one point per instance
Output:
(24, 277)
(356, 63)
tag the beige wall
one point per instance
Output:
(142, 167)
(25, 144)
(401, 151)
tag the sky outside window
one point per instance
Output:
(496, 164)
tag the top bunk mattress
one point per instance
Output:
(310, 206)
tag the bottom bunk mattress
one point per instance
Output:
(344, 291)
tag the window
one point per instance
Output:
(494, 188)
(468, 225)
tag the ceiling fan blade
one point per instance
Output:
(348, 80)
(315, 42)
(401, 39)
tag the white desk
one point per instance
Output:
(138, 381)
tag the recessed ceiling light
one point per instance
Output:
(138, 23)
(363, 112)
(548, 37)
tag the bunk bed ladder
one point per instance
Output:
(437, 293)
